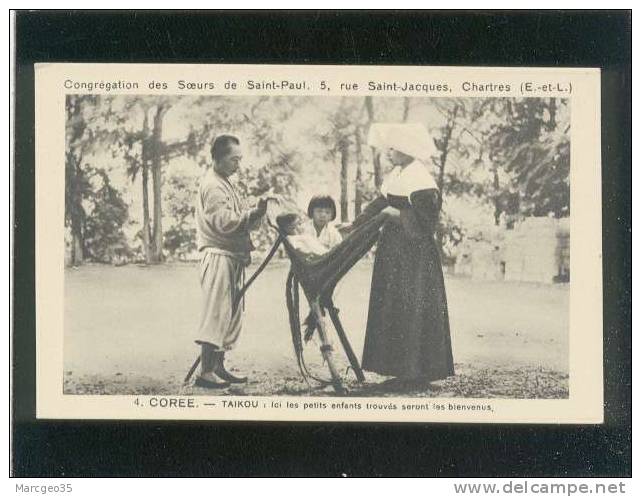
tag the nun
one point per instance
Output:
(408, 330)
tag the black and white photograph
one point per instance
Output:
(311, 243)
(313, 246)
(253, 242)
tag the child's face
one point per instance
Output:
(293, 228)
(322, 215)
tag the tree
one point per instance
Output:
(86, 134)
(179, 192)
(343, 139)
(271, 162)
(378, 175)
(450, 142)
(512, 153)
(533, 146)
(146, 153)
(104, 237)
(79, 143)
(359, 184)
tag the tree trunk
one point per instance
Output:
(358, 184)
(76, 215)
(497, 199)
(552, 110)
(447, 135)
(406, 108)
(77, 250)
(358, 194)
(146, 219)
(156, 252)
(156, 174)
(449, 129)
(369, 106)
(146, 227)
(378, 176)
(344, 170)
(75, 176)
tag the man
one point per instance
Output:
(223, 226)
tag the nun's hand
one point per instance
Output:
(344, 228)
(391, 213)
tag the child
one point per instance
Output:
(307, 245)
(321, 212)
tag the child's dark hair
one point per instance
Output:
(284, 221)
(321, 202)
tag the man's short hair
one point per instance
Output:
(221, 145)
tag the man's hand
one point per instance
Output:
(261, 206)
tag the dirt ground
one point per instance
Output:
(130, 330)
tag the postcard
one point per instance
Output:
(318, 243)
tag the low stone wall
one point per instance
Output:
(538, 250)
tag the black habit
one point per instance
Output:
(408, 331)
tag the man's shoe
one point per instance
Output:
(227, 376)
(212, 382)
(222, 373)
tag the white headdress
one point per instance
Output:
(409, 138)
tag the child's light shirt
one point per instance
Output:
(307, 245)
(329, 236)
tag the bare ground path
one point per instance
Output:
(129, 330)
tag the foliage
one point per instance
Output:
(94, 209)
(451, 234)
(180, 236)
(104, 237)
(510, 153)
(535, 150)
(128, 167)
(272, 165)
